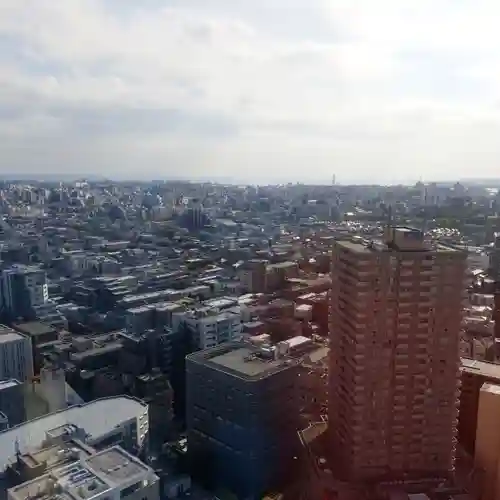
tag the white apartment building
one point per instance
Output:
(211, 326)
(16, 355)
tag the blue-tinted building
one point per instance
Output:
(242, 417)
(4, 422)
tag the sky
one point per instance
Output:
(255, 91)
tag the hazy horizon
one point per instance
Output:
(261, 92)
(70, 178)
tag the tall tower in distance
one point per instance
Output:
(396, 314)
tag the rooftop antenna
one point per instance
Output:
(388, 212)
(424, 222)
(17, 448)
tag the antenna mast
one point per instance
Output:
(389, 217)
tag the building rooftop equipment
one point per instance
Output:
(112, 470)
(52, 456)
(243, 360)
(97, 418)
(116, 465)
(396, 238)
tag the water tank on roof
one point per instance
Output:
(282, 349)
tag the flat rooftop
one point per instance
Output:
(86, 478)
(96, 351)
(34, 328)
(240, 360)
(491, 388)
(56, 455)
(98, 418)
(7, 384)
(373, 246)
(167, 306)
(22, 269)
(149, 295)
(116, 465)
(481, 368)
(221, 302)
(7, 334)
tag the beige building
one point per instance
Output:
(487, 455)
(112, 474)
(474, 374)
(394, 346)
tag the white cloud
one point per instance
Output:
(384, 90)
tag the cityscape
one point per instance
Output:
(249, 250)
(172, 339)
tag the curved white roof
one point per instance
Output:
(97, 418)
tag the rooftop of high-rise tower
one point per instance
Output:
(398, 238)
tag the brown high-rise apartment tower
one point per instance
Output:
(395, 321)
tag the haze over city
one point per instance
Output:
(249, 250)
(289, 90)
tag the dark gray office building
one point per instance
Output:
(12, 401)
(4, 422)
(242, 417)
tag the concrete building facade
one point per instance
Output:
(494, 260)
(12, 402)
(487, 450)
(23, 290)
(474, 374)
(53, 387)
(394, 368)
(16, 355)
(213, 324)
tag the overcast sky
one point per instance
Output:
(251, 90)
